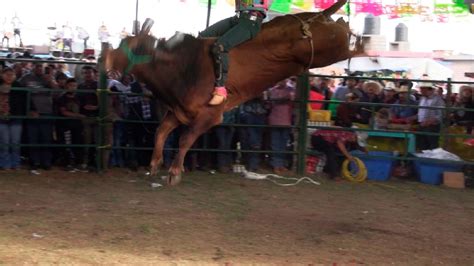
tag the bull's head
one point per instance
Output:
(132, 51)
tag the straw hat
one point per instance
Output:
(361, 137)
(424, 84)
(390, 86)
(403, 88)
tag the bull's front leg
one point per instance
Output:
(199, 126)
(169, 123)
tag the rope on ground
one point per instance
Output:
(354, 174)
(255, 176)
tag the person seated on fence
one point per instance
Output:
(429, 119)
(348, 86)
(70, 130)
(331, 142)
(281, 99)
(371, 90)
(464, 100)
(404, 114)
(347, 112)
(12, 103)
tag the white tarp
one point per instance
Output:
(416, 67)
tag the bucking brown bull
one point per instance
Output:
(181, 70)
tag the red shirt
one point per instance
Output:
(316, 96)
(332, 136)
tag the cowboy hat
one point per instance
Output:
(361, 137)
(390, 86)
(403, 88)
(424, 84)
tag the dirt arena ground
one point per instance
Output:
(118, 218)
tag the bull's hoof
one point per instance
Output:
(173, 180)
(153, 171)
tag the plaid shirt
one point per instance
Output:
(146, 110)
(427, 114)
(332, 136)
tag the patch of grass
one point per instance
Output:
(146, 229)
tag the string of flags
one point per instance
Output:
(391, 8)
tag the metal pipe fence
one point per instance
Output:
(300, 127)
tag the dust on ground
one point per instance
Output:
(118, 218)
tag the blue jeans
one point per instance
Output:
(40, 132)
(119, 140)
(279, 137)
(10, 134)
(251, 139)
(224, 142)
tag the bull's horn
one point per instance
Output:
(147, 26)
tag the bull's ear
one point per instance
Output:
(147, 26)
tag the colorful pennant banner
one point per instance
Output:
(426, 9)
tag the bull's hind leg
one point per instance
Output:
(169, 123)
(196, 129)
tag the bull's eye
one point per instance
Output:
(140, 49)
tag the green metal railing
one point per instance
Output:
(103, 144)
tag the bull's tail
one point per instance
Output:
(334, 8)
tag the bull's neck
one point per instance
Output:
(133, 59)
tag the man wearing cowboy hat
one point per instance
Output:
(429, 119)
(389, 93)
(400, 114)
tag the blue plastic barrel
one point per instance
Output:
(432, 172)
(378, 169)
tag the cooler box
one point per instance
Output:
(432, 172)
(378, 169)
(320, 115)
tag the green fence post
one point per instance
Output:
(103, 95)
(445, 120)
(303, 92)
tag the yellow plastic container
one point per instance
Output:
(319, 115)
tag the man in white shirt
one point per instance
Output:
(429, 119)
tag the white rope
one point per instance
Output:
(255, 176)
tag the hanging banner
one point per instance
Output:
(205, 2)
(323, 4)
(281, 6)
(373, 7)
(450, 7)
(427, 10)
(306, 5)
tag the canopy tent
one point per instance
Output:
(416, 67)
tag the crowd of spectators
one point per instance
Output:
(48, 105)
(418, 107)
(49, 90)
